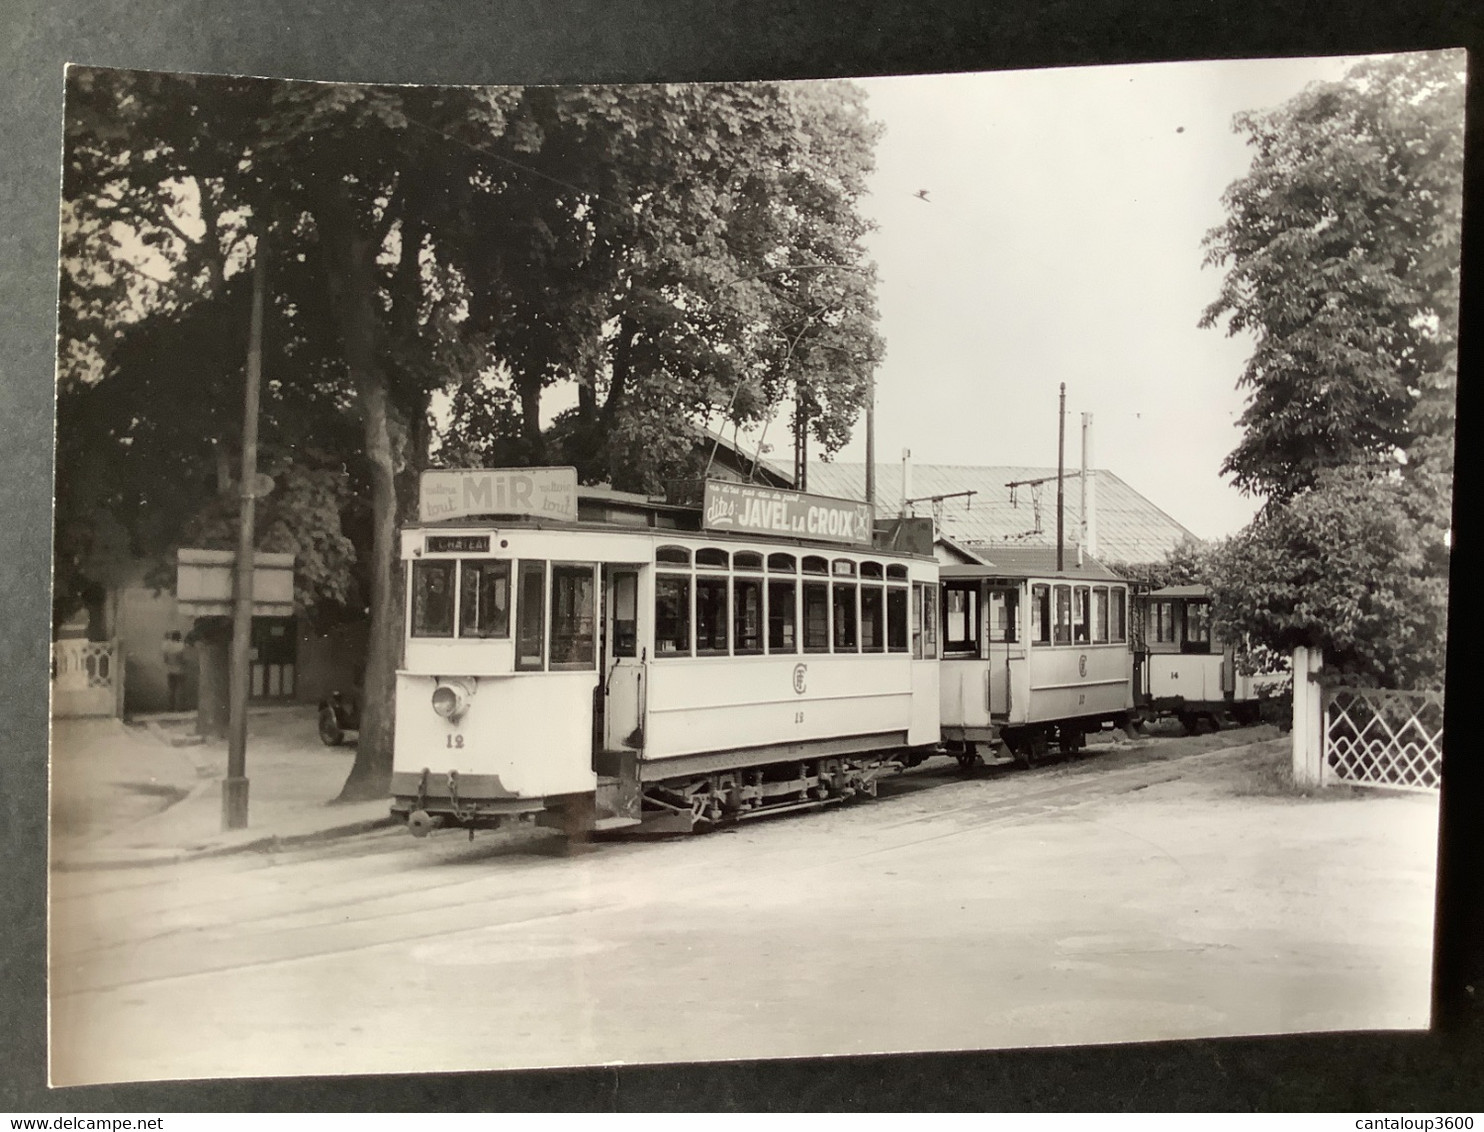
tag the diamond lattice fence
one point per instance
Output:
(1379, 737)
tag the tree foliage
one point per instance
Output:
(665, 254)
(1351, 566)
(1342, 248)
(1343, 244)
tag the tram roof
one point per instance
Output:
(623, 512)
(1029, 561)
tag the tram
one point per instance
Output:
(1033, 655)
(595, 660)
(1183, 668)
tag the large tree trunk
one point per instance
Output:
(351, 260)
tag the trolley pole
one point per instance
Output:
(871, 440)
(234, 787)
(1061, 455)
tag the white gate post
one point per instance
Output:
(1308, 718)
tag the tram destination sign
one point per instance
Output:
(748, 509)
(537, 493)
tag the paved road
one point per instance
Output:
(1134, 895)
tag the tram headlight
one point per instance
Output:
(451, 697)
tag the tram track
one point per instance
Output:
(314, 928)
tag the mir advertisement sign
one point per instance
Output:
(536, 493)
(746, 509)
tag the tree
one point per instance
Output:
(1343, 246)
(687, 252)
(644, 244)
(1343, 243)
(1347, 566)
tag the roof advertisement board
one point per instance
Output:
(537, 493)
(748, 509)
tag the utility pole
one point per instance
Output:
(1061, 456)
(234, 787)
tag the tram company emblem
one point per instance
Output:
(800, 670)
(1082, 665)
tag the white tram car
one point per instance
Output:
(624, 664)
(1182, 666)
(1031, 654)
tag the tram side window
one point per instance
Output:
(573, 642)
(711, 616)
(816, 617)
(873, 618)
(484, 598)
(671, 615)
(1081, 615)
(930, 622)
(845, 627)
(961, 618)
(1198, 626)
(1041, 615)
(1062, 626)
(1119, 628)
(747, 615)
(529, 615)
(626, 614)
(1004, 616)
(1162, 622)
(432, 599)
(782, 617)
(1099, 614)
(896, 619)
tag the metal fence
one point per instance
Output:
(1382, 737)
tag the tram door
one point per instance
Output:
(621, 696)
(1005, 647)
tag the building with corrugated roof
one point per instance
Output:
(1129, 528)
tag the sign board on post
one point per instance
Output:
(203, 583)
(747, 509)
(536, 493)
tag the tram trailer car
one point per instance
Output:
(1031, 655)
(1183, 668)
(628, 669)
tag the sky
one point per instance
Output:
(1060, 241)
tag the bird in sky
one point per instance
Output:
(922, 194)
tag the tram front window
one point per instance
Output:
(1004, 616)
(572, 637)
(432, 599)
(529, 615)
(484, 599)
(961, 619)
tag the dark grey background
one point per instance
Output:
(509, 41)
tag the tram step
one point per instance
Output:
(603, 825)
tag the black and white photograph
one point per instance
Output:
(627, 574)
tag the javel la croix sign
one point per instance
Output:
(747, 509)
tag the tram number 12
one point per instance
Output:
(456, 741)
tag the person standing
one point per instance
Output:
(174, 652)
